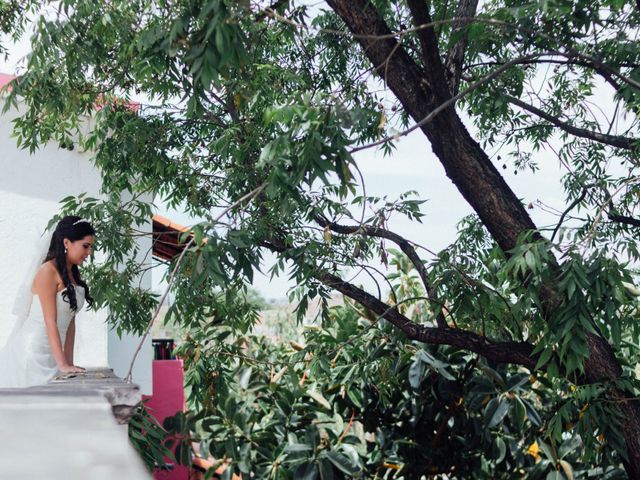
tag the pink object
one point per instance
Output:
(5, 78)
(167, 400)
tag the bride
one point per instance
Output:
(41, 343)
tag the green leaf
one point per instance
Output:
(499, 412)
(545, 356)
(532, 414)
(355, 396)
(519, 413)
(502, 450)
(549, 453)
(245, 377)
(298, 447)
(325, 469)
(567, 469)
(341, 462)
(416, 373)
(435, 364)
(308, 471)
(319, 399)
(530, 260)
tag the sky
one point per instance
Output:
(412, 166)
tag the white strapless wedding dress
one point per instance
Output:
(26, 360)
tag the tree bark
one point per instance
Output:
(421, 89)
(501, 352)
(406, 248)
(455, 55)
(613, 140)
(519, 353)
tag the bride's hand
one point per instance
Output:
(71, 369)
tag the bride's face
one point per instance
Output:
(79, 250)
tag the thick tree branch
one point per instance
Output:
(455, 55)
(613, 140)
(502, 352)
(421, 90)
(519, 353)
(614, 217)
(426, 35)
(405, 246)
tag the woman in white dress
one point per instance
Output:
(42, 342)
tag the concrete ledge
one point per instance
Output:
(70, 429)
(123, 397)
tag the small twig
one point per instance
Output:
(127, 379)
(346, 430)
(569, 208)
(364, 194)
(172, 277)
(497, 72)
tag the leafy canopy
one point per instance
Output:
(254, 113)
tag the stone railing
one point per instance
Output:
(72, 428)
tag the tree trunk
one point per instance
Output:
(421, 90)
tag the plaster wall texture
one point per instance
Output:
(66, 430)
(121, 349)
(31, 187)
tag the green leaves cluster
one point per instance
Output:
(357, 401)
(149, 438)
(235, 100)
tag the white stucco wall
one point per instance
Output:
(121, 350)
(31, 187)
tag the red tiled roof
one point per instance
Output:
(165, 237)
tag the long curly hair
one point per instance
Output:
(72, 228)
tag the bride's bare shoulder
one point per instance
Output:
(47, 278)
(48, 268)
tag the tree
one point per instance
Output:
(257, 111)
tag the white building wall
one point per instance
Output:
(31, 187)
(121, 350)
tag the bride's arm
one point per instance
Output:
(45, 285)
(69, 341)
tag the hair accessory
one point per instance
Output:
(80, 221)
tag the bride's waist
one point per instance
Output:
(37, 323)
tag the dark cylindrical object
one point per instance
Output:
(163, 349)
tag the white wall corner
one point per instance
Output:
(31, 187)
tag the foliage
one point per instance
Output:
(148, 438)
(253, 117)
(357, 400)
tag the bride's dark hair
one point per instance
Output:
(72, 228)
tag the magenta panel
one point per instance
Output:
(167, 400)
